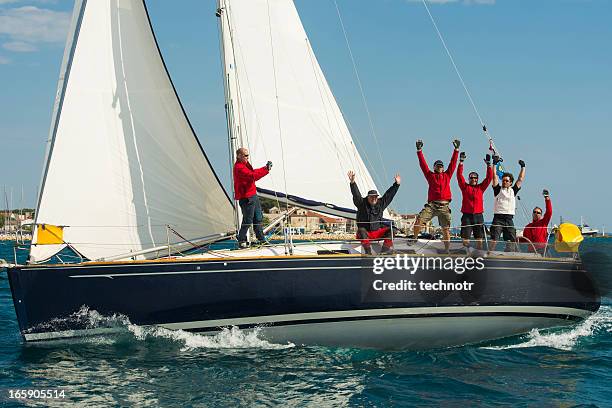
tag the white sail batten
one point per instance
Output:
(123, 161)
(281, 105)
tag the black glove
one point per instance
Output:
(488, 159)
(545, 193)
(462, 156)
(269, 165)
(419, 145)
(496, 159)
(456, 143)
(521, 163)
(484, 128)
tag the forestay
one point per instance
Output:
(281, 106)
(122, 159)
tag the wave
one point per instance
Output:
(226, 338)
(566, 340)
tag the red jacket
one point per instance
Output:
(245, 178)
(537, 231)
(472, 195)
(439, 183)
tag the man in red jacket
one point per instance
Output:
(246, 194)
(439, 193)
(537, 230)
(472, 220)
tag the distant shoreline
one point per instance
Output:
(11, 237)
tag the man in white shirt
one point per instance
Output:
(504, 206)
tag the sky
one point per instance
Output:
(539, 71)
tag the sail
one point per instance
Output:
(123, 162)
(282, 108)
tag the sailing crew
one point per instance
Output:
(472, 220)
(537, 230)
(504, 205)
(439, 194)
(370, 211)
(245, 193)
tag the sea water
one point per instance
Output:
(140, 366)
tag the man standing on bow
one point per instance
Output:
(472, 220)
(246, 194)
(370, 211)
(504, 205)
(537, 230)
(439, 194)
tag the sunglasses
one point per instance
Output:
(474, 178)
(537, 212)
(506, 180)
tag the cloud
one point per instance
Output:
(30, 24)
(19, 46)
(20, 1)
(4, 60)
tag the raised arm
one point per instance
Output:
(549, 212)
(421, 156)
(453, 161)
(495, 178)
(390, 193)
(357, 199)
(485, 183)
(460, 178)
(521, 176)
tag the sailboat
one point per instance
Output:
(587, 230)
(127, 187)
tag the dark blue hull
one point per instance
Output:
(201, 295)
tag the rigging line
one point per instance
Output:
(465, 88)
(280, 129)
(235, 45)
(359, 147)
(330, 135)
(352, 152)
(363, 98)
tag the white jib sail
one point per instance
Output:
(122, 160)
(281, 105)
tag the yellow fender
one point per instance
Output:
(568, 238)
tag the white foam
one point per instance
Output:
(566, 339)
(227, 338)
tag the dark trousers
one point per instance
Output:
(472, 223)
(503, 224)
(251, 215)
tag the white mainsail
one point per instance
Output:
(122, 159)
(281, 106)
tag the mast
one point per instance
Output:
(223, 18)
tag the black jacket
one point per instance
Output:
(370, 216)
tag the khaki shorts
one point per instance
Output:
(435, 209)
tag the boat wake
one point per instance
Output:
(118, 324)
(567, 340)
(228, 338)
